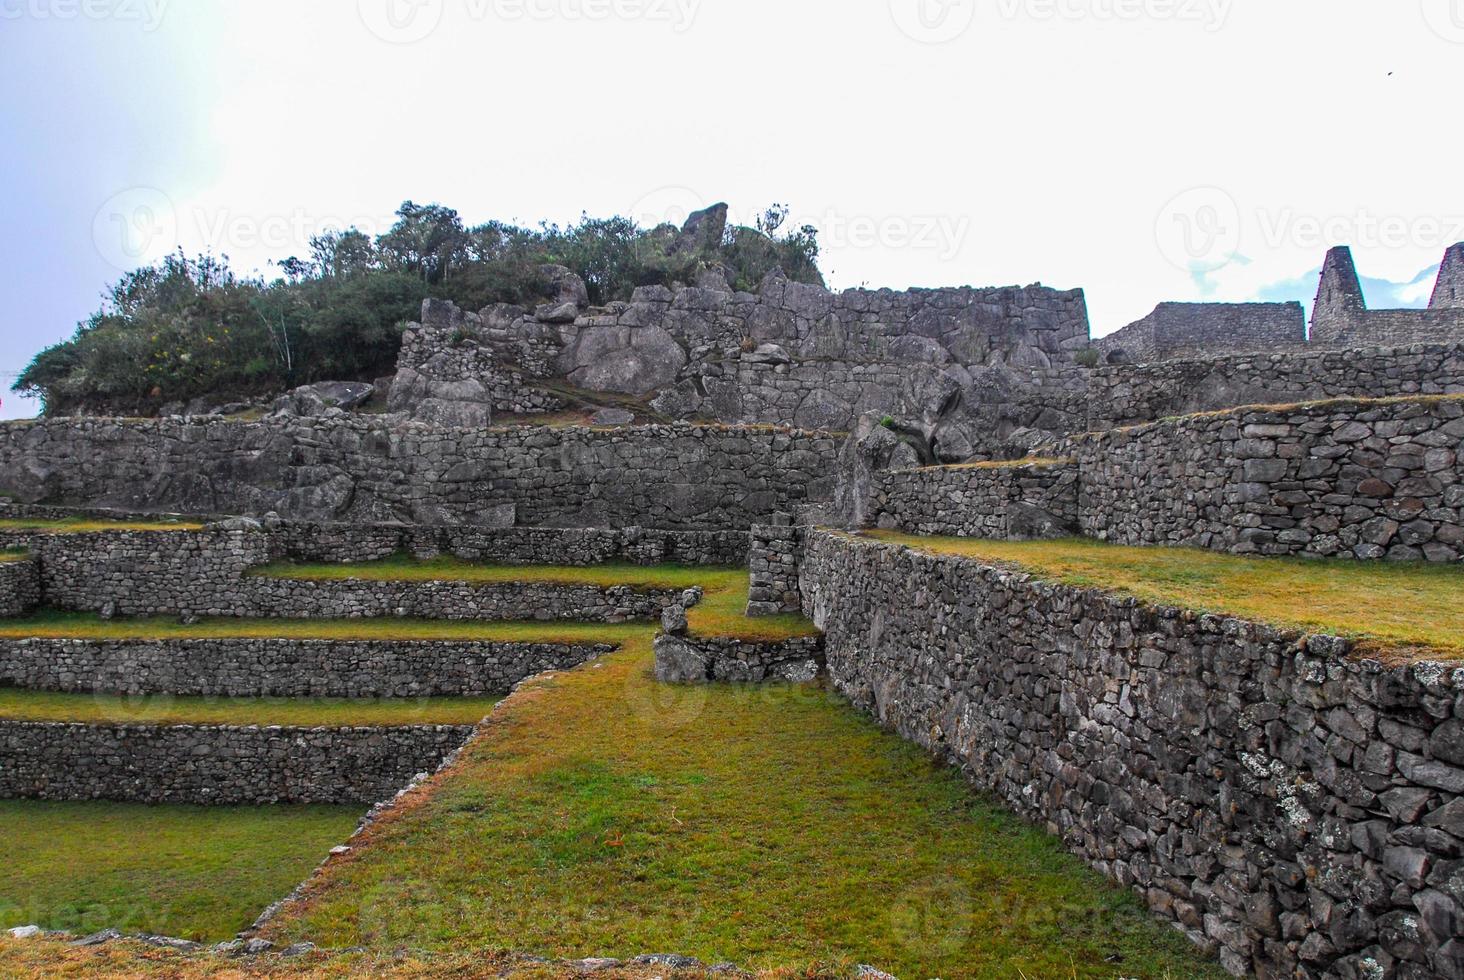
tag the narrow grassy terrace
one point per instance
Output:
(199, 873)
(602, 813)
(1394, 610)
(85, 525)
(167, 709)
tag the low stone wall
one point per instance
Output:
(365, 469)
(208, 573)
(701, 660)
(1346, 479)
(216, 765)
(20, 586)
(773, 561)
(1284, 803)
(284, 668)
(1016, 501)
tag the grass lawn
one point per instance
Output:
(1395, 610)
(13, 555)
(198, 873)
(83, 525)
(604, 814)
(166, 709)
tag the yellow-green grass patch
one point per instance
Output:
(773, 826)
(996, 464)
(165, 709)
(13, 555)
(1393, 609)
(200, 873)
(82, 525)
(54, 624)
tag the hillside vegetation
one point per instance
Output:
(192, 326)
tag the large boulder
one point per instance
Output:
(702, 233)
(321, 398)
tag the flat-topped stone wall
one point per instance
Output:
(1346, 479)
(704, 660)
(211, 573)
(361, 469)
(1009, 501)
(217, 765)
(284, 668)
(1287, 804)
(20, 586)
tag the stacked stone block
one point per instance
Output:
(217, 765)
(776, 549)
(20, 586)
(1019, 501)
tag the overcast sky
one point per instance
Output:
(1144, 150)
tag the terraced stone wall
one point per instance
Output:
(217, 765)
(1004, 502)
(1344, 479)
(208, 573)
(367, 470)
(284, 668)
(20, 586)
(1285, 803)
(776, 550)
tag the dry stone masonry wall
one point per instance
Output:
(360, 469)
(1284, 803)
(20, 586)
(776, 550)
(1011, 501)
(284, 668)
(1347, 479)
(216, 765)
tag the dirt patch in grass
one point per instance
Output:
(1396, 610)
(165, 709)
(199, 873)
(773, 826)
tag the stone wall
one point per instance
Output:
(1343, 478)
(704, 660)
(284, 668)
(1340, 317)
(1177, 330)
(369, 470)
(20, 586)
(1130, 394)
(212, 573)
(1283, 802)
(1005, 501)
(216, 765)
(772, 563)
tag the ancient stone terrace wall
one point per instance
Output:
(724, 660)
(1130, 394)
(1352, 479)
(20, 586)
(284, 668)
(1176, 330)
(1009, 501)
(1279, 800)
(217, 765)
(361, 469)
(210, 573)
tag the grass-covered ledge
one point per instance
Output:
(89, 525)
(1393, 610)
(199, 873)
(165, 709)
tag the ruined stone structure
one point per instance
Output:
(20, 586)
(1179, 330)
(1341, 318)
